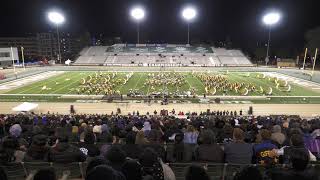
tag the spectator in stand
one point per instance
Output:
(130, 148)
(191, 135)
(277, 136)
(249, 173)
(104, 172)
(95, 162)
(196, 172)
(226, 136)
(299, 168)
(264, 151)
(154, 142)
(39, 150)
(74, 132)
(209, 150)
(10, 150)
(238, 152)
(63, 152)
(105, 136)
(151, 165)
(88, 147)
(132, 170)
(140, 138)
(45, 174)
(116, 157)
(3, 175)
(296, 142)
(15, 131)
(146, 127)
(179, 148)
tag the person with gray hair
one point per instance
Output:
(277, 136)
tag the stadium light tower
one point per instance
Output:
(270, 19)
(189, 13)
(137, 14)
(57, 19)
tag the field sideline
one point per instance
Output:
(68, 82)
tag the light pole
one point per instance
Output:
(22, 55)
(270, 19)
(58, 19)
(137, 14)
(12, 56)
(189, 14)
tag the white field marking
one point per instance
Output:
(188, 82)
(137, 82)
(86, 73)
(199, 81)
(236, 60)
(68, 85)
(29, 80)
(148, 90)
(211, 60)
(298, 81)
(124, 84)
(34, 87)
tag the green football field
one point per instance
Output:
(74, 82)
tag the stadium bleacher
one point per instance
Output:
(169, 55)
(86, 133)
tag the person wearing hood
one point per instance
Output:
(15, 131)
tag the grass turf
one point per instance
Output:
(68, 82)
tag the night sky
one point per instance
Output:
(217, 19)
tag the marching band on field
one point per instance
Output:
(107, 83)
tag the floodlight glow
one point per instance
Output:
(189, 13)
(56, 17)
(271, 18)
(137, 13)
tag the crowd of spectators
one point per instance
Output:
(138, 146)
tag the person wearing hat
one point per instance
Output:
(15, 131)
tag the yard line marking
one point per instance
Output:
(148, 88)
(85, 74)
(186, 78)
(41, 83)
(25, 81)
(63, 87)
(137, 82)
(124, 84)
